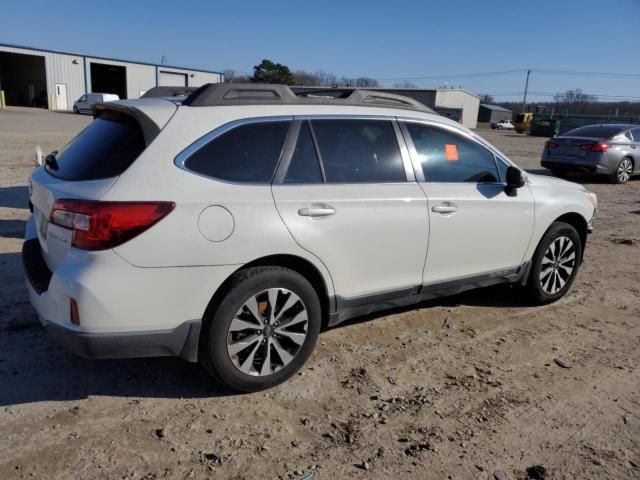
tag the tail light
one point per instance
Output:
(596, 147)
(549, 145)
(102, 225)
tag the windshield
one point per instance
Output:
(106, 148)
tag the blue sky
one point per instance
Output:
(384, 40)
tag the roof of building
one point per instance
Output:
(48, 50)
(496, 108)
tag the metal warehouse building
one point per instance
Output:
(51, 79)
(493, 113)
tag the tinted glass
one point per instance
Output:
(448, 157)
(248, 153)
(595, 131)
(106, 148)
(304, 166)
(359, 151)
(635, 133)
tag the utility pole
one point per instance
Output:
(526, 87)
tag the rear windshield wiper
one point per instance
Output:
(50, 160)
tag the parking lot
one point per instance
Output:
(463, 387)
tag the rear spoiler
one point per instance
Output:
(151, 114)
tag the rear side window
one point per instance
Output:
(359, 151)
(105, 149)
(446, 156)
(635, 133)
(247, 154)
(594, 131)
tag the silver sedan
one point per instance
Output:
(610, 149)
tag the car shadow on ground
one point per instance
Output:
(14, 197)
(498, 296)
(33, 368)
(12, 228)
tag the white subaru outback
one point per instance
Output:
(229, 227)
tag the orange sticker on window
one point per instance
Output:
(451, 152)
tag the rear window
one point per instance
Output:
(105, 149)
(595, 131)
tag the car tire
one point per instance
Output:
(623, 171)
(259, 353)
(499, 127)
(75, 109)
(555, 263)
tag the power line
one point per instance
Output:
(516, 71)
(551, 94)
(457, 75)
(587, 74)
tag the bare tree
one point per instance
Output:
(486, 98)
(231, 76)
(573, 97)
(366, 82)
(404, 84)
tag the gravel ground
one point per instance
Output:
(476, 386)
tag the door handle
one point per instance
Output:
(317, 211)
(444, 208)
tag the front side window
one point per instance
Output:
(359, 151)
(248, 153)
(446, 156)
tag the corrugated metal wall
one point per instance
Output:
(140, 78)
(74, 71)
(459, 98)
(194, 78)
(60, 68)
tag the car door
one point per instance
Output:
(476, 228)
(346, 192)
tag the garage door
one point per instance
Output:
(172, 79)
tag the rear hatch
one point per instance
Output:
(91, 164)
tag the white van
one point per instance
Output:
(86, 102)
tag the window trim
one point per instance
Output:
(289, 150)
(417, 165)
(182, 157)
(299, 119)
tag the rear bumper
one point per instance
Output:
(181, 341)
(124, 311)
(576, 165)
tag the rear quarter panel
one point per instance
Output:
(176, 241)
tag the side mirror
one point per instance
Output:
(515, 178)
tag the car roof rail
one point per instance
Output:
(222, 94)
(164, 92)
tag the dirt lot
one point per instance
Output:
(462, 388)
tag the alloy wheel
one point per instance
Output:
(624, 170)
(267, 332)
(558, 264)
